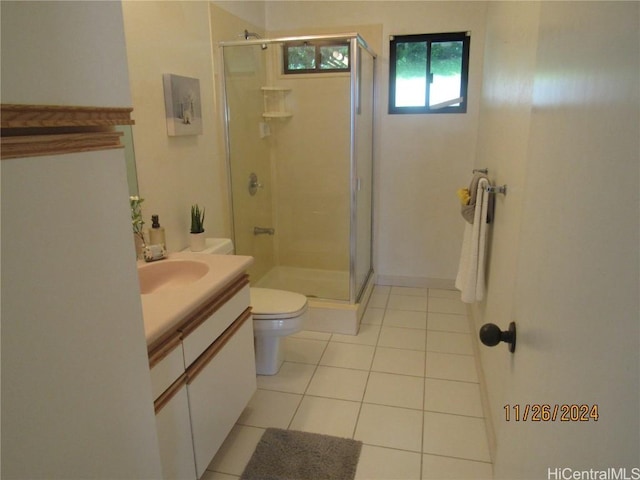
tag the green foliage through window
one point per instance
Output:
(428, 73)
(316, 57)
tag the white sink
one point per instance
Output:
(169, 274)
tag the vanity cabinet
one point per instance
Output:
(203, 375)
(175, 439)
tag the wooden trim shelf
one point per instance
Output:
(35, 130)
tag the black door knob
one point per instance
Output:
(491, 335)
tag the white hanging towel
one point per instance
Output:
(470, 279)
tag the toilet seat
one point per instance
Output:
(270, 304)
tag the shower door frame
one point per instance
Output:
(355, 41)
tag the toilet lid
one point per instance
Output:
(267, 303)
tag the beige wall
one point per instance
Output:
(559, 124)
(175, 172)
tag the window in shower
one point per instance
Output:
(428, 73)
(316, 57)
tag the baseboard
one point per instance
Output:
(424, 282)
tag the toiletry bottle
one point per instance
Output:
(156, 233)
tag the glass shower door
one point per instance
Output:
(363, 84)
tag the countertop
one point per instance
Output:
(164, 310)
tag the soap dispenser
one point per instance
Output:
(156, 233)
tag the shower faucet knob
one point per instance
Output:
(254, 184)
(491, 335)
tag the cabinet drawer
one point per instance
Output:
(174, 436)
(166, 366)
(197, 340)
(220, 385)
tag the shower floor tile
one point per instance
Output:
(417, 411)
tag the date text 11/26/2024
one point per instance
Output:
(542, 412)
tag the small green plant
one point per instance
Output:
(136, 216)
(197, 219)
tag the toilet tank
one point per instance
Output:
(216, 246)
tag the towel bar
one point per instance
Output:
(497, 189)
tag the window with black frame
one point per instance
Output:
(316, 57)
(428, 73)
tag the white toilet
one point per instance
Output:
(276, 314)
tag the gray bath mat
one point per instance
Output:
(293, 455)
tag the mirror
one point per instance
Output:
(130, 158)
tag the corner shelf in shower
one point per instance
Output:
(275, 102)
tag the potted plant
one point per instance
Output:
(196, 237)
(137, 223)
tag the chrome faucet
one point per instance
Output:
(263, 230)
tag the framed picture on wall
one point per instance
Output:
(182, 105)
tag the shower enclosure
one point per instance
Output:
(299, 148)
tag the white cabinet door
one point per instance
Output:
(220, 385)
(175, 438)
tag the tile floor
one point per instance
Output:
(406, 386)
